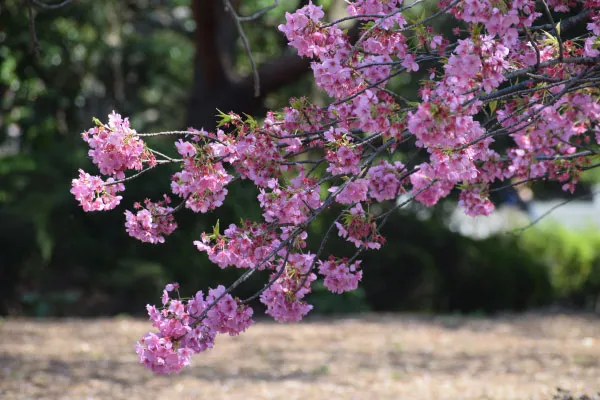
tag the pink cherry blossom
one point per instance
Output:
(151, 223)
(94, 194)
(115, 147)
(339, 275)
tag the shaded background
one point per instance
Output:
(169, 65)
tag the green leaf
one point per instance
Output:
(251, 122)
(224, 118)
(551, 39)
(216, 230)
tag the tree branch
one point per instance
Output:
(236, 19)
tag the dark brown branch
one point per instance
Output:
(566, 24)
(259, 13)
(278, 72)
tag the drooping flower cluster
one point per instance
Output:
(115, 147)
(201, 182)
(181, 331)
(151, 222)
(94, 194)
(384, 182)
(340, 275)
(504, 98)
(284, 297)
(343, 157)
(475, 203)
(291, 204)
(359, 228)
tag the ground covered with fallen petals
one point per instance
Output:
(359, 357)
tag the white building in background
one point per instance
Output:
(503, 219)
(576, 215)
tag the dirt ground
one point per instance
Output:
(360, 357)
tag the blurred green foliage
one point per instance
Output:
(572, 259)
(134, 57)
(438, 270)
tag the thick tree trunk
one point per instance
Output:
(215, 84)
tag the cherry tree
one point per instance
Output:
(509, 70)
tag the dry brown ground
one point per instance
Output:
(364, 357)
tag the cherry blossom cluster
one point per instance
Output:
(201, 182)
(94, 194)
(116, 148)
(291, 204)
(283, 297)
(504, 98)
(180, 331)
(340, 275)
(246, 246)
(151, 223)
(358, 227)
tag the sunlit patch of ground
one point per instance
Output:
(363, 357)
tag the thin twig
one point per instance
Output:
(229, 8)
(555, 28)
(520, 231)
(51, 6)
(259, 13)
(129, 178)
(169, 159)
(34, 39)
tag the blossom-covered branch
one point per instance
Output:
(506, 71)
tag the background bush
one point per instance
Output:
(572, 259)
